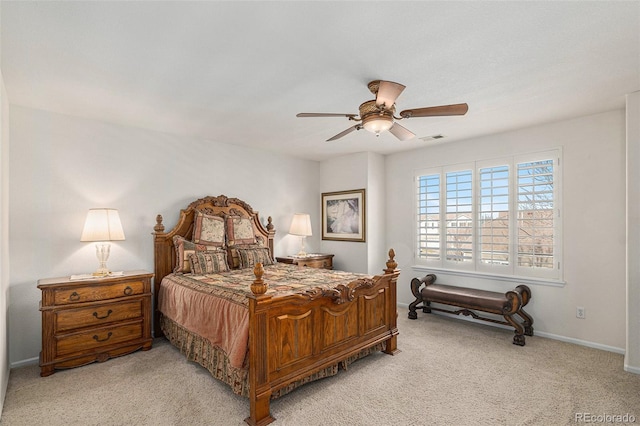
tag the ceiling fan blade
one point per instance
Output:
(345, 132)
(455, 109)
(401, 132)
(388, 92)
(323, 114)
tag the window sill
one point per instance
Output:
(495, 277)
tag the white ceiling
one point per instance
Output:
(238, 72)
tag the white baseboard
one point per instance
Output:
(24, 363)
(537, 333)
(635, 370)
(581, 342)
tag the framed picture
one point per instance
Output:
(343, 216)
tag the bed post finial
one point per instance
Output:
(258, 286)
(391, 263)
(159, 228)
(269, 224)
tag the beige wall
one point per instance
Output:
(61, 166)
(4, 234)
(4, 240)
(632, 354)
(593, 216)
(357, 171)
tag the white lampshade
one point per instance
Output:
(301, 225)
(102, 225)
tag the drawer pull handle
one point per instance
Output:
(74, 297)
(97, 339)
(95, 314)
(128, 291)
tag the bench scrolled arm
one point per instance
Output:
(416, 283)
(514, 302)
(525, 293)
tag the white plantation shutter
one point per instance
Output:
(459, 217)
(429, 217)
(493, 216)
(496, 216)
(535, 214)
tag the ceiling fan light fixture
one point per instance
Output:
(378, 115)
(377, 123)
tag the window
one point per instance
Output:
(535, 214)
(493, 217)
(459, 214)
(429, 217)
(500, 216)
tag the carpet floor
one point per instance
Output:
(450, 372)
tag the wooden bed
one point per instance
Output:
(295, 336)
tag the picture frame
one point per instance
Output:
(344, 216)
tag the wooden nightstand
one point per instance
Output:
(319, 261)
(93, 320)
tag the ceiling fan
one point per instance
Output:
(377, 115)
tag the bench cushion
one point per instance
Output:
(470, 298)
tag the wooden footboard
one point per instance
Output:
(295, 336)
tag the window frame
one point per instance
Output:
(552, 276)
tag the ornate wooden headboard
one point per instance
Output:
(164, 250)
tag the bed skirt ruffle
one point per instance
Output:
(198, 349)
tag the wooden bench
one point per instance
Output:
(469, 299)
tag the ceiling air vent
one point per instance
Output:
(431, 138)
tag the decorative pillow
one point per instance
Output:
(240, 230)
(250, 256)
(233, 258)
(185, 247)
(208, 262)
(208, 229)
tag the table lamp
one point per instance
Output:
(102, 225)
(301, 226)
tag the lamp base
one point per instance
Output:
(302, 253)
(102, 253)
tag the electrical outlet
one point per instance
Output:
(580, 312)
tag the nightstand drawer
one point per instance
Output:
(92, 293)
(69, 319)
(316, 260)
(91, 339)
(316, 263)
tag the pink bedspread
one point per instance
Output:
(215, 306)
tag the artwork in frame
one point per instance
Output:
(343, 216)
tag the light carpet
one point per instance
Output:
(450, 372)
